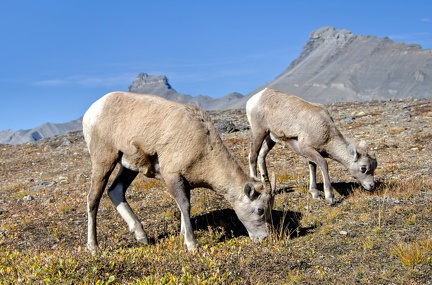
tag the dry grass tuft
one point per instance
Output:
(413, 253)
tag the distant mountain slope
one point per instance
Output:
(43, 131)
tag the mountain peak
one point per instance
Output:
(325, 36)
(143, 83)
(329, 31)
(330, 35)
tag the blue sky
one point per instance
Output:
(57, 57)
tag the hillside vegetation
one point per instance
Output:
(378, 237)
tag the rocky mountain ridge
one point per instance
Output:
(159, 85)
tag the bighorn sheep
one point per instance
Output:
(173, 142)
(308, 130)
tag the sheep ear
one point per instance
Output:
(353, 151)
(362, 148)
(250, 191)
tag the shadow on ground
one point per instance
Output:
(226, 220)
(347, 188)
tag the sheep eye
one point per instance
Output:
(260, 211)
(363, 169)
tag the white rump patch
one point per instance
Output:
(253, 101)
(93, 113)
(91, 116)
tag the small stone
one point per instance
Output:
(28, 198)
(348, 119)
(48, 201)
(42, 184)
(225, 126)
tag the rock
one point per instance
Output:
(225, 126)
(360, 114)
(348, 120)
(28, 198)
(41, 185)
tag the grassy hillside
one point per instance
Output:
(378, 237)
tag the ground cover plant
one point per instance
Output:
(378, 237)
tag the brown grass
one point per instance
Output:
(418, 252)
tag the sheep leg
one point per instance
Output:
(316, 159)
(267, 145)
(99, 180)
(181, 193)
(117, 192)
(313, 188)
(255, 147)
(327, 184)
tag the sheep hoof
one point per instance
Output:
(94, 249)
(331, 201)
(315, 194)
(192, 244)
(254, 178)
(142, 240)
(192, 247)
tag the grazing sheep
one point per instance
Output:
(173, 142)
(308, 130)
